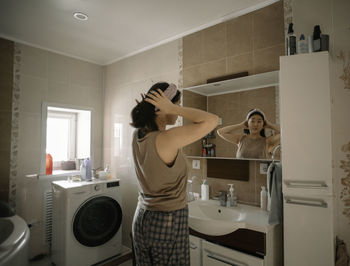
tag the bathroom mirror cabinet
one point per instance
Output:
(231, 100)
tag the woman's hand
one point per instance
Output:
(272, 126)
(160, 101)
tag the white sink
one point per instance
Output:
(208, 217)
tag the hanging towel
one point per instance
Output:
(274, 182)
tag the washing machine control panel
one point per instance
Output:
(97, 187)
(113, 184)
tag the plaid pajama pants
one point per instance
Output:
(161, 237)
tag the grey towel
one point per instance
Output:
(274, 179)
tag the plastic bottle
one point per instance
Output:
(263, 198)
(108, 172)
(231, 199)
(291, 41)
(316, 39)
(205, 190)
(87, 164)
(302, 45)
(83, 171)
(49, 164)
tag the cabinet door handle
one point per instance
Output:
(306, 202)
(224, 259)
(193, 246)
(305, 184)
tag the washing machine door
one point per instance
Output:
(97, 221)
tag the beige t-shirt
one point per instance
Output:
(162, 187)
(252, 148)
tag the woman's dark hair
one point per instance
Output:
(262, 132)
(143, 115)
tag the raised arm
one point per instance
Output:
(170, 141)
(231, 134)
(275, 139)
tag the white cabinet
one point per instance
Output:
(308, 231)
(215, 255)
(195, 251)
(307, 153)
(305, 108)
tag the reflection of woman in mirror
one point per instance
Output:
(252, 143)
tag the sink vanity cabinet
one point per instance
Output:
(216, 255)
(238, 236)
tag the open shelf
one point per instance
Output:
(252, 82)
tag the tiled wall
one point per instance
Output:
(125, 80)
(50, 77)
(6, 83)
(253, 43)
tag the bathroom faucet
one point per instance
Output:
(222, 198)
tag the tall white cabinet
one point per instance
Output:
(306, 140)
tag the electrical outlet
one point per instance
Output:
(196, 164)
(220, 121)
(263, 168)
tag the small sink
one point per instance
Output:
(208, 217)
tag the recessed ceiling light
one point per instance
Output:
(80, 16)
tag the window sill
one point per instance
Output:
(59, 173)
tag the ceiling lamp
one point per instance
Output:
(80, 16)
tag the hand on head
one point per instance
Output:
(160, 101)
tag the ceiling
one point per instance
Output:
(116, 28)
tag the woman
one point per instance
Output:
(252, 143)
(160, 226)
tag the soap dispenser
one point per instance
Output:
(231, 199)
(205, 190)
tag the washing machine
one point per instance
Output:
(86, 222)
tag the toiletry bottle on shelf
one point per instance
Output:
(204, 152)
(302, 45)
(88, 174)
(263, 198)
(108, 171)
(205, 190)
(231, 199)
(316, 39)
(292, 42)
(82, 171)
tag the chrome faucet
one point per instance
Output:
(222, 198)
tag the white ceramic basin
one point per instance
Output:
(208, 217)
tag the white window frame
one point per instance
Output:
(44, 115)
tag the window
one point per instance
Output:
(67, 137)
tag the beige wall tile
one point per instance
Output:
(192, 52)
(268, 26)
(33, 62)
(4, 168)
(192, 76)
(33, 91)
(240, 35)
(4, 194)
(6, 55)
(213, 69)
(266, 60)
(5, 135)
(240, 63)
(6, 81)
(214, 42)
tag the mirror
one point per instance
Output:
(232, 108)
